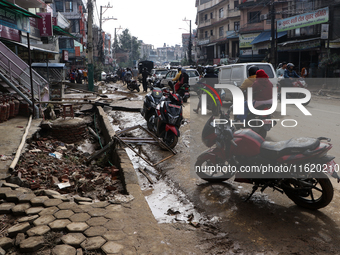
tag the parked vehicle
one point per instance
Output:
(157, 74)
(150, 103)
(167, 120)
(192, 73)
(111, 78)
(298, 83)
(235, 74)
(184, 92)
(132, 85)
(245, 148)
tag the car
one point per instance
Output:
(158, 73)
(235, 74)
(193, 74)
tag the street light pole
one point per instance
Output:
(90, 46)
(272, 45)
(190, 43)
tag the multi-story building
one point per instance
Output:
(218, 24)
(74, 11)
(145, 50)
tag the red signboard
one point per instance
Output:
(77, 50)
(54, 21)
(65, 55)
(9, 33)
(45, 24)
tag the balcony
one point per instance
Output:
(232, 13)
(29, 4)
(252, 3)
(209, 5)
(252, 27)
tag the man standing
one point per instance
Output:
(145, 75)
(281, 71)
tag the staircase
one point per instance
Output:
(15, 77)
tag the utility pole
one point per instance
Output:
(90, 68)
(101, 50)
(272, 45)
(190, 43)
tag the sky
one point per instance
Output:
(153, 21)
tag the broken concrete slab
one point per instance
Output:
(28, 219)
(32, 244)
(6, 208)
(19, 238)
(6, 242)
(19, 228)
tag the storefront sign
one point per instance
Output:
(333, 45)
(14, 20)
(246, 39)
(9, 33)
(77, 51)
(202, 42)
(324, 31)
(65, 55)
(304, 20)
(249, 52)
(300, 46)
(45, 24)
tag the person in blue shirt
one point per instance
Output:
(289, 75)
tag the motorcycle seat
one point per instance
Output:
(275, 150)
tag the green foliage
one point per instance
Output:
(97, 70)
(125, 42)
(333, 61)
(184, 62)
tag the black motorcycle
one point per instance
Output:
(133, 85)
(150, 103)
(184, 92)
(111, 78)
(165, 123)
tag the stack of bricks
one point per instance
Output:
(70, 134)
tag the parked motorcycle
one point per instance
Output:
(307, 187)
(298, 83)
(165, 123)
(184, 92)
(150, 103)
(111, 78)
(133, 85)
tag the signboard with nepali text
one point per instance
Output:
(45, 24)
(304, 20)
(9, 33)
(246, 39)
(14, 20)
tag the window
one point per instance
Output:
(206, 17)
(254, 17)
(285, 13)
(228, 27)
(59, 6)
(225, 73)
(65, 43)
(237, 73)
(221, 31)
(220, 11)
(211, 15)
(235, 4)
(236, 26)
(266, 68)
(74, 25)
(211, 33)
(206, 34)
(68, 6)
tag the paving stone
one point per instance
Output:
(25, 190)
(114, 208)
(34, 210)
(19, 238)
(6, 242)
(63, 250)
(100, 204)
(52, 202)
(115, 225)
(95, 231)
(63, 198)
(73, 239)
(93, 243)
(85, 208)
(49, 210)
(114, 215)
(59, 224)
(2, 251)
(114, 235)
(50, 193)
(26, 197)
(10, 185)
(129, 251)
(85, 203)
(112, 247)
(28, 219)
(44, 220)
(3, 192)
(97, 221)
(63, 214)
(38, 231)
(32, 244)
(39, 201)
(20, 209)
(19, 228)
(13, 196)
(78, 217)
(96, 212)
(80, 251)
(77, 227)
(6, 208)
(70, 206)
(82, 199)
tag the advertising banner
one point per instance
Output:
(45, 24)
(14, 20)
(246, 39)
(9, 33)
(304, 20)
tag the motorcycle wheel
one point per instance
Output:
(311, 193)
(171, 140)
(130, 88)
(211, 177)
(185, 99)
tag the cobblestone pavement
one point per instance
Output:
(128, 228)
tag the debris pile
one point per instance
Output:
(51, 164)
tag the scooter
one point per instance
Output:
(184, 92)
(304, 161)
(150, 103)
(298, 83)
(167, 120)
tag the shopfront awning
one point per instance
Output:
(13, 7)
(34, 48)
(50, 65)
(265, 36)
(59, 31)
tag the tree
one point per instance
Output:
(126, 42)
